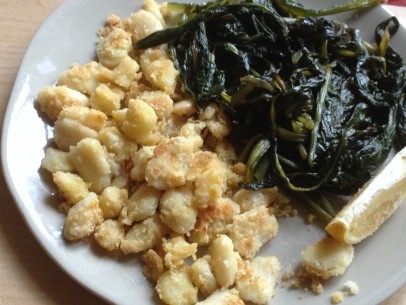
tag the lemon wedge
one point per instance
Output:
(372, 204)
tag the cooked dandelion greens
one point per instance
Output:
(316, 107)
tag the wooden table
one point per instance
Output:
(27, 275)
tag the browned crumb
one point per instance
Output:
(287, 275)
(311, 218)
(153, 265)
(349, 288)
(317, 287)
(337, 297)
(113, 20)
(239, 168)
(315, 283)
(64, 207)
(307, 281)
(303, 279)
(298, 279)
(282, 208)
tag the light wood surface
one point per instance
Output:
(27, 275)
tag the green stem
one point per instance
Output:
(319, 210)
(291, 136)
(295, 10)
(278, 165)
(321, 98)
(327, 206)
(259, 150)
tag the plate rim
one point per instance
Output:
(33, 228)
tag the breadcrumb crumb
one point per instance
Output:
(337, 297)
(288, 274)
(351, 288)
(311, 218)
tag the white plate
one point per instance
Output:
(68, 36)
